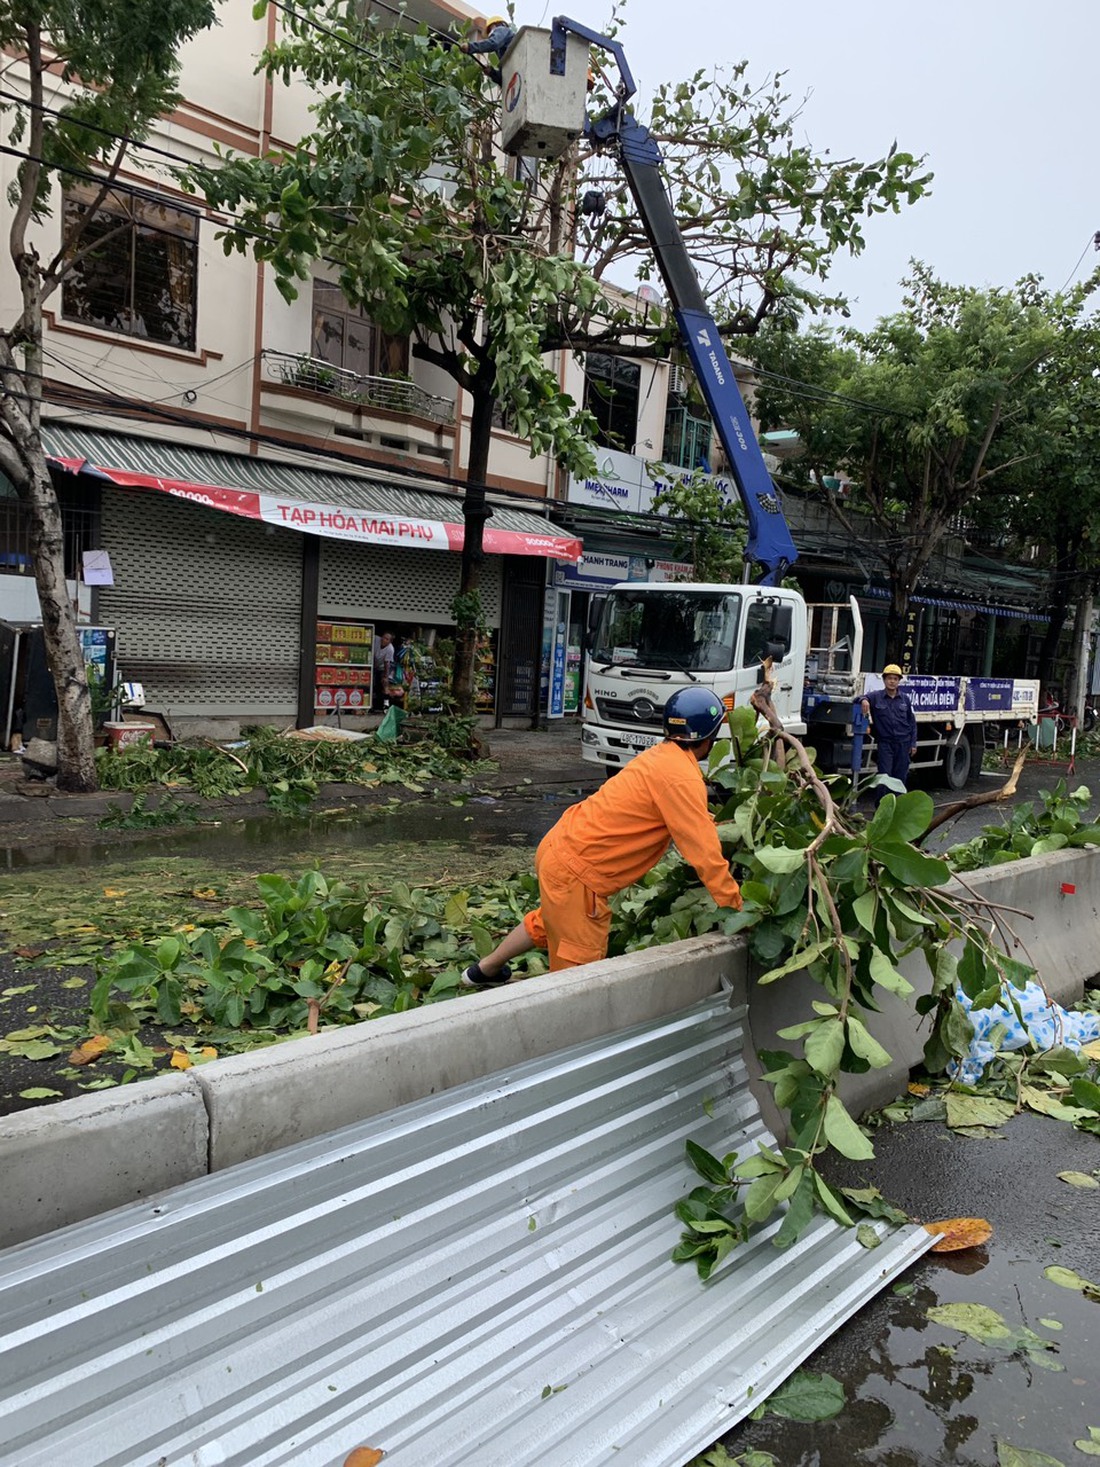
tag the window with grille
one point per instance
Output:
(611, 393)
(139, 273)
(78, 525)
(344, 336)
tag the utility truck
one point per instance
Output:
(651, 640)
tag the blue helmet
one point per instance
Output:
(693, 714)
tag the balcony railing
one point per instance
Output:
(394, 394)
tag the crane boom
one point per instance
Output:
(769, 544)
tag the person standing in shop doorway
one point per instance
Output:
(383, 670)
(895, 727)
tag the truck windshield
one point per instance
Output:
(695, 631)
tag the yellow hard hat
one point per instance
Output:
(495, 20)
(894, 668)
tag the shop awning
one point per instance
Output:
(315, 500)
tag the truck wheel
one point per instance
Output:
(977, 754)
(956, 763)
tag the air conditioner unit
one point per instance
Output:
(677, 379)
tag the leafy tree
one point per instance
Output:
(95, 74)
(710, 528)
(935, 410)
(399, 188)
(1056, 504)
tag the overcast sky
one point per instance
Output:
(1000, 94)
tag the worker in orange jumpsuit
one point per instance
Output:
(613, 838)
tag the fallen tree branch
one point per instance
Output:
(761, 702)
(991, 797)
(211, 744)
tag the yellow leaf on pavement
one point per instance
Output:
(208, 1052)
(180, 1060)
(364, 1457)
(90, 1050)
(956, 1233)
(915, 1088)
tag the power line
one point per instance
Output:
(1094, 240)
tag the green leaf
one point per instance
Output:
(800, 1211)
(910, 866)
(867, 1236)
(1068, 1278)
(760, 1199)
(842, 1132)
(1078, 1179)
(866, 1045)
(831, 1202)
(976, 1320)
(779, 859)
(797, 961)
(807, 1397)
(1010, 1456)
(825, 1047)
(708, 1166)
(864, 908)
(911, 815)
(977, 1110)
(887, 976)
(1086, 1093)
(38, 1092)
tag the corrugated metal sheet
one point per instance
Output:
(479, 1278)
(272, 476)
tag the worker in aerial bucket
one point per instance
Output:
(895, 727)
(610, 840)
(498, 36)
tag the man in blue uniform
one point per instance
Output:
(894, 724)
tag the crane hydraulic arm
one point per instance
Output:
(769, 545)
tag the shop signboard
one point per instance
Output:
(598, 572)
(558, 604)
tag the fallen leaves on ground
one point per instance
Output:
(1068, 1278)
(806, 1397)
(1078, 1179)
(1010, 1456)
(91, 1049)
(985, 1325)
(364, 1457)
(956, 1233)
(965, 1111)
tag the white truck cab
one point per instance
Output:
(652, 640)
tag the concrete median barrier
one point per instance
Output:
(66, 1162)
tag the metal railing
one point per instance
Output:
(394, 394)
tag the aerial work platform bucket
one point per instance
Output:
(542, 114)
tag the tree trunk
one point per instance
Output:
(75, 745)
(475, 512)
(1077, 685)
(1061, 578)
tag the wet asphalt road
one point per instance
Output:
(923, 1395)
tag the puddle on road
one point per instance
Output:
(322, 835)
(921, 1394)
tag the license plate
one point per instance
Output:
(638, 740)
